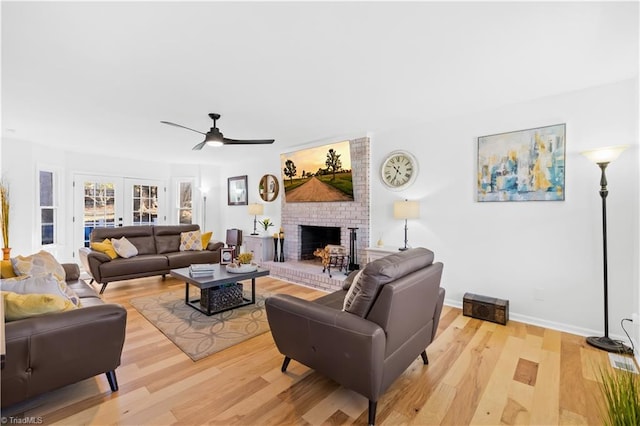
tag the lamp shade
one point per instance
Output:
(406, 209)
(606, 154)
(256, 209)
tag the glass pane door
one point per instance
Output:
(100, 206)
(147, 203)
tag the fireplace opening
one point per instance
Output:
(313, 237)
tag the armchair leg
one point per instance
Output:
(373, 405)
(104, 286)
(425, 360)
(285, 364)
(113, 381)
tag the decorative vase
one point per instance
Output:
(282, 249)
(275, 249)
(6, 253)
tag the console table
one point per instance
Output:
(373, 253)
(261, 246)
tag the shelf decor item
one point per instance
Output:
(602, 157)
(237, 191)
(4, 219)
(275, 247)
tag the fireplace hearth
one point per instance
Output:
(314, 237)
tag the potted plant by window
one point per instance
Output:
(4, 219)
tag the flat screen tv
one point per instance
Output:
(317, 174)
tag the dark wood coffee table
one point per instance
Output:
(217, 282)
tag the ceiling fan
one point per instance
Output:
(214, 136)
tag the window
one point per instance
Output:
(99, 207)
(145, 204)
(47, 207)
(185, 203)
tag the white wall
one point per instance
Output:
(545, 257)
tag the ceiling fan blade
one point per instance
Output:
(183, 127)
(228, 141)
(199, 146)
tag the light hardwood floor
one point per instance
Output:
(479, 373)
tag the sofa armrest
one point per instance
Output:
(345, 347)
(72, 271)
(50, 351)
(215, 245)
(91, 260)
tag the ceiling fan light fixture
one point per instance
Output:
(213, 139)
(214, 143)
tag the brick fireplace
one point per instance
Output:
(342, 215)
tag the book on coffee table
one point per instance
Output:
(201, 269)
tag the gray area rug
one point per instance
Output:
(199, 335)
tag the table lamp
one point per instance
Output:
(254, 210)
(406, 210)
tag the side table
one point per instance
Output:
(261, 246)
(373, 253)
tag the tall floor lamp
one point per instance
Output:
(254, 210)
(602, 157)
(406, 210)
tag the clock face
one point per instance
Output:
(226, 256)
(399, 170)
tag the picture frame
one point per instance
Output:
(237, 191)
(226, 255)
(524, 165)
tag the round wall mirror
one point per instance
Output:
(269, 188)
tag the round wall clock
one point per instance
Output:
(399, 170)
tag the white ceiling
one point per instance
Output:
(99, 77)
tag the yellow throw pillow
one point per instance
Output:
(7, 270)
(40, 263)
(206, 237)
(105, 247)
(190, 241)
(19, 306)
(40, 284)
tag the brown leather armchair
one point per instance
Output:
(390, 322)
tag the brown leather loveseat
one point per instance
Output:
(158, 253)
(47, 352)
(388, 324)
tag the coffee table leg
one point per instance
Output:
(186, 293)
(253, 290)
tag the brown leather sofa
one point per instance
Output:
(51, 351)
(395, 318)
(158, 253)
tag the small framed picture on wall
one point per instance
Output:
(237, 191)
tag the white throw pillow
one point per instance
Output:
(40, 284)
(124, 248)
(353, 291)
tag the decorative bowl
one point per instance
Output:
(242, 269)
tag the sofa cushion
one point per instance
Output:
(139, 236)
(190, 241)
(105, 247)
(141, 264)
(40, 284)
(384, 270)
(39, 263)
(19, 306)
(124, 248)
(182, 259)
(167, 237)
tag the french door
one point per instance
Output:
(105, 201)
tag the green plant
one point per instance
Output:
(266, 223)
(4, 212)
(621, 390)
